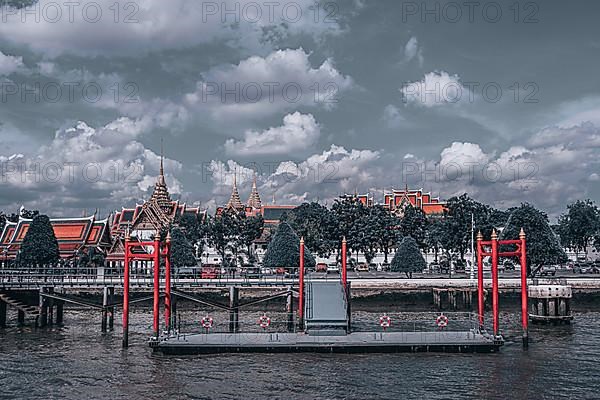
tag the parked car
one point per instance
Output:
(321, 267)
(192, 271)
(589, 268)
(210, 272)
(373, 267)
(250, 271)
(280, 271)
(548, 270)
(508, 265)
(362, 267)
(266, 271)
(333, 268)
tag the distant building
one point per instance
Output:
(396, 200)
(72, 234)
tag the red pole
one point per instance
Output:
(480, 299)
(301, 283)
(495, 281)
(126, 295)
(156, 283)
(344, 264)
(524, 294)
(168, 283)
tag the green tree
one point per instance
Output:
(434, 237)
(317, 224)
(384, 225)
(414, 224)
(578, 227)
(182, 251)
(408, 257)
(40, 246)
(349, 213)
(251, 228)
(223, 229)
(456, 227)
(543, 245)
(284, 250)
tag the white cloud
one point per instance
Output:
(126, 28)
(413, 50)
(435, 89)
(10, 64)
(260, 86)
(298, 132)
(392, 116)
(84, 166)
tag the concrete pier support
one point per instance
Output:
(234, 300)
(550, 303)
(289, 307)
(3, 309)
(50, 308)
(104, 322)
(60, 313)
(349, 306)
(21, 317)
(43, 304)
(174, 316)
(111, 310)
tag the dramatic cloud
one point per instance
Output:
(125, 28)
(298, 132)
(84, 167)
(435, 89)
(9, 64)
(260, 86)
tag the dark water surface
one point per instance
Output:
(78, 362)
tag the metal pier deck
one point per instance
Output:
(357, 342)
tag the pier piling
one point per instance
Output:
(43, 303)
(111, 309)
(21, 317)
(234, 299)
(289, 306)
(60, 313)
(2, 314)
(104, 309)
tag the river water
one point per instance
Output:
(78, 362)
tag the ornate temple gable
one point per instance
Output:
(152, 217)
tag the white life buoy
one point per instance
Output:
(207, 322)
(442, 321)
(264, 321)
(385, 321)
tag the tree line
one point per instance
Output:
(368, 230)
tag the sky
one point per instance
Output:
(495, 99)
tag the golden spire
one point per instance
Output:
(234, 200)
(254, 199)
(161, 193)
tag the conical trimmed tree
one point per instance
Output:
(408, 257)
(284, 250)
(40, 246)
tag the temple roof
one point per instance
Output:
(234, 200)
(71, 234)
(161, 194)
(254, 199)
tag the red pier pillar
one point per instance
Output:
(156, 284)
(301, 283)
(344, 264)
(168, 282)
(524, 294)
(126, 295)
(480, 298)
(495, 282)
